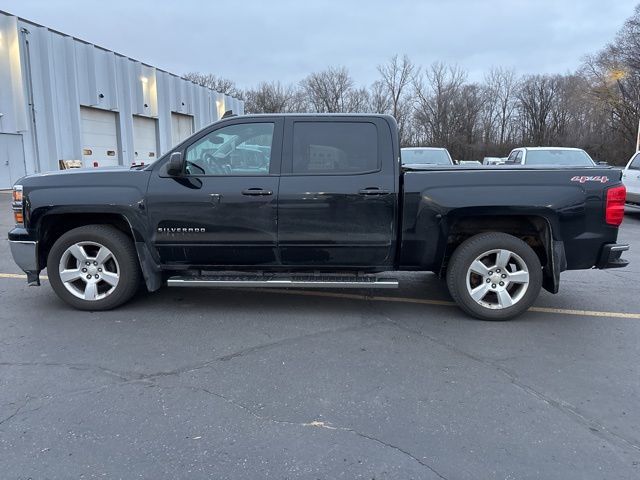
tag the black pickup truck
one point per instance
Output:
(314, 201)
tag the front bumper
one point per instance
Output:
(610, 256)
(633, 201)
(25, 254)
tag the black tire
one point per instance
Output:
(122, 250)
(469, 251)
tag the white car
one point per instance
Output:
(425, 156)
(562, 156)
(631, 180)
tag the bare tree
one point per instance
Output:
(536, 96)
(270, 97)
(358, 101)
(613, 86)
(466, 137)
(219, 84)
(328, 91)
(626, 45)
(500, 85)
(436, 92)
(379, 100)
(397, 76)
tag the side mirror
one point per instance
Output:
(175, 165)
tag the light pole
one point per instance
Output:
(638, 139)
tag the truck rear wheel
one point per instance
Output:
(494, 276)
(94, 267)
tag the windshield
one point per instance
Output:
(559, 157)
(425, 157)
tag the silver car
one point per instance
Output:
(414, 156)
(561, 156)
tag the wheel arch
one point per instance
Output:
(535, 230)
(53, 225)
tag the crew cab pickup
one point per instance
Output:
(314, 201)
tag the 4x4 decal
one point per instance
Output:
(585, 179)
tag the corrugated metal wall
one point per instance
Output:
(46, 76)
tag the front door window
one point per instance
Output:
(243, 149)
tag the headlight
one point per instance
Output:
(17, 193)
(18, 205)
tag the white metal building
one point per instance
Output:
(62, 98)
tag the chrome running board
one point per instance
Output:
(283, 281)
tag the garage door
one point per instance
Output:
(11, 159)
(99, 137)
(145, 140)
(181, 127)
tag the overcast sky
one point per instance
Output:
(253, 40)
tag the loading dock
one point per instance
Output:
(99, 137)
(145, 140)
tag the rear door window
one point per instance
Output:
(334, 148)
(635, 163)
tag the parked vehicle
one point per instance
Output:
(425, 156)
(493, 161)
(332, 208)
(469, 162)
(561, 156)
(631, 180)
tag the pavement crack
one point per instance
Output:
(131, 376)
(71, 366)
(593, 426)
(313, 424)
(395, 447)
(19, 410)
(249, 350)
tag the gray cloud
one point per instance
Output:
(253, 40)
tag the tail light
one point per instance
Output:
(614, 210)
(17, 205)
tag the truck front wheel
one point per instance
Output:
(494, 276)
(94, 267)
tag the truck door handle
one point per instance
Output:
(257, 192)
(373, 191)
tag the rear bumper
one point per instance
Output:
(25, 254)
(610, 256)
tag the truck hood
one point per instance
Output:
(83, 176)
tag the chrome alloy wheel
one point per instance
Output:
(89, 271)
(497, 279)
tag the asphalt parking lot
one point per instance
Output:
(254, 384)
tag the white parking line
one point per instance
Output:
(419, 301)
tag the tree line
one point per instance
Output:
(596, 108)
